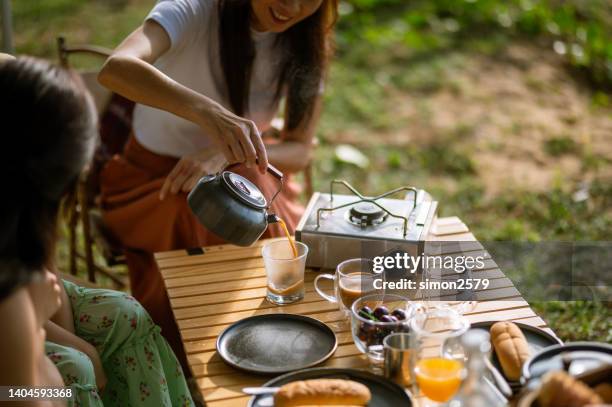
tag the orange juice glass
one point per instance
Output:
(434, 336)
(438, 378)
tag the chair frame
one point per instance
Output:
(79, 207)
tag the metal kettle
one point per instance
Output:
(232, 207)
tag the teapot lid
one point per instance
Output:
(244, 190)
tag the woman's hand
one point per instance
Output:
(94, 356)
(98, 368)
(238, 138)
(45, 293)
(188, 171)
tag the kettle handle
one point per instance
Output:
(276, 173)
(272, 170)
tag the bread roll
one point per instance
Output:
(561, 390)
(604, 390)
(511, 348)
(322, 392)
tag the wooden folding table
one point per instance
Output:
(213, 287)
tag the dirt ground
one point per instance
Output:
(501, 111)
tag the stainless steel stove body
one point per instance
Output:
(339, 227)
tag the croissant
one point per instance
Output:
(561, 390)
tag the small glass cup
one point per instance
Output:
(397, 352)
(462, 301)
(284, 271)
(461, 307)
(354, 278)
(437, 375)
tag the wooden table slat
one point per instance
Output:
(209, 249)
(212, 268)
(211, 257)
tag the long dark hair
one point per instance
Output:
(49, 128)
(304, 48)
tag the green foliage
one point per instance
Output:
(443, 158)
(578, 320)
(578, 30)
(554, 215)
(558, 146)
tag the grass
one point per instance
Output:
(399, 71)
(558, 146)
(579, 321)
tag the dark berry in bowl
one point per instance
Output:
(368, 327)
(381, 333)
(386, 318)
(367, 310)
(399, 313)
(380, 311)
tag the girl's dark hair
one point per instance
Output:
(49, 127)
(305, 50)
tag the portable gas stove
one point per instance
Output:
(339, 227)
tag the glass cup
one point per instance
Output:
(437, 375)
(461, 307)
(397, 354)
(284, 271)
(354, 278)
(462, 301)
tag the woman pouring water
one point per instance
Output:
(208, 77)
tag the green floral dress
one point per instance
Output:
(140, 366)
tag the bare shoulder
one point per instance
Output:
(23, 343)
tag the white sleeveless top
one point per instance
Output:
(194, 61)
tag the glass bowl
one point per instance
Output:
(369, 331)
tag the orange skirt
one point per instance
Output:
(130, 186)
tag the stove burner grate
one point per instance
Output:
(366, 211)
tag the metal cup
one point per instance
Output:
(397, 353)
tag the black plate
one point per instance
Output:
(550, 359)
(385, 393)
(276, 343)
(537, 339)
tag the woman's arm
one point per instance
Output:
(61, 336)
(22, 342)
(129, 72)
(296, 150)
(23, 359)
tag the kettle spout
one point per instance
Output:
(272, 218)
